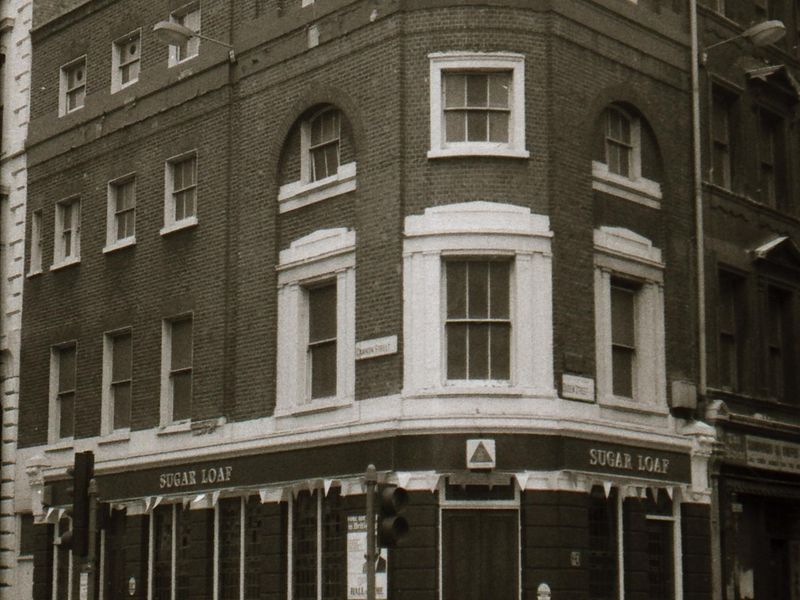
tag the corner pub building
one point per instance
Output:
(446, 238)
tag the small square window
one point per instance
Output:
(181, 191)
(177, 355)
(188, 16)
(67, 241)
(121, 211)
(126, 59)
(62, 391)
(477, 104)
(117, 381)
(73, 86)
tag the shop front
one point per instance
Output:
(491, 516)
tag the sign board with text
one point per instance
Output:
(357, 561)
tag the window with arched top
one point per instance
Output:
(626, 161)
(318, 159)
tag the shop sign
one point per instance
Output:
(601, 457)
(376, 347)
(772, 454)
(185, 478)
(357, 561)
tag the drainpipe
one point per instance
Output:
(716, 551)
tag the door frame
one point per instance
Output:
(445, 504)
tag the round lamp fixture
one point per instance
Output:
(173, 33)
(763, 34)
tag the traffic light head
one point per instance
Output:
(82, 474)
(392, 526)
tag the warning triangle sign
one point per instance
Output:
(481, 455)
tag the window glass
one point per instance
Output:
(184, 187)
(478, 326)
(619, 146)
(304, 550)
(74, 78)
(181, 369)
(188, 17)
(66, 391)
(194, 553)
(127, 59)
(622, 339)
(603, 545)
(229, 546)
(121, 379)
(322, 339)
(324, 144)
(124, 198)
(779, 343)
(36, 241)
(477, 106)
(27, 541)
(162, 552)
(720, 133)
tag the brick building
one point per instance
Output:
(752, 205)
(452, 239)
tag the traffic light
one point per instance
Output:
(81, 476)
(392, 526)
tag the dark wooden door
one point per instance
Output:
(480, 554)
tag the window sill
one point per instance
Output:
(66, 263)
(489, 388)
(314, 406)
(183, 61)
(630, 405)
(642, 191)
(479, 150)
(66, 113)
(175, 428)
(119, 245)
(187, 223)
(298, 194)
(122, 87)
(115, 437)
(32, 274)
(62, 445)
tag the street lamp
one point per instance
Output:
(175, 34)
(760, 34)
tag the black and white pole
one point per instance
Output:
(371, 481)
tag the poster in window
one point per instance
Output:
(356, 561)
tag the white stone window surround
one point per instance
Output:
(54, 406)
(106, 406)
(635, 187)
(64, 88)
(304, 191)
(476, 229)
(112, 243)
(166, 421)
(170, 223)
(191, 13)
(323, 255)
(118, 61)
(478, 61)
(64, 256)
(621, 253)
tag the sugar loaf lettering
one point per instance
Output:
(614, 459)
(190, 477)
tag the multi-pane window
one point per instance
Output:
(731, 329)
(623, 336)
(619, 143)
(322, 340)
(120, 384)
(36, 242)
(477, 106)
(64, 388)
(188, 16)
(318, 544)
(178, 372)
(123, 210)
(73, 85)
(721, 140)
(68, 231)
(779, 343)
(182, 183)
(323, 147)
(603, 563)
(126, 60)
(478, 320)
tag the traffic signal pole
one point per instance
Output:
(90, 567)
(371, 479)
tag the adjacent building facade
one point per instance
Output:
(453, 240)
